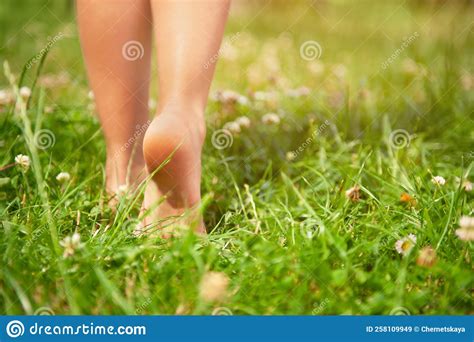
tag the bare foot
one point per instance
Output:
(172, 150)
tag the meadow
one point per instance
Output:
(337, 169)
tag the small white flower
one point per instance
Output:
(265, 96)
(23, 161)
(243, 100)
(71, 244)
(232, 127)
(243, 121)
(466, 230)
(90, 95)
(340, 71)
(122, 189)
(298, 92)
(466, 222)
(25, 92)
(5, 97)
(438, 180)
(467, 186)
(406, 244)
(271, 119)
(227, 96)
(63, 177)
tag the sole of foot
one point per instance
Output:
(172, 150)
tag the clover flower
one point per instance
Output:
(23, 161)
(63, 177)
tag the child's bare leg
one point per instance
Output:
(188, 35)
(116, 42)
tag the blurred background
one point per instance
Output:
(356, 38)
(366, 67)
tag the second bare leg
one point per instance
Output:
(116, 42)
(188, 36)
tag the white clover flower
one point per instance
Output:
(466, 230)
(467, 186)
(71, 244)
(271, 119)
(243, 100)
(232, 127)
(5, 97)
(406, 244)
(243, 121)
(63, 177)
(23, 161)
(466, 222)
(340, 71)
(91, 95)
(438, 180)
(25, 92)
(298, 92)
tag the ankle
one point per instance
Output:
(190, 113)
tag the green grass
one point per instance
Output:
(282, 230)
